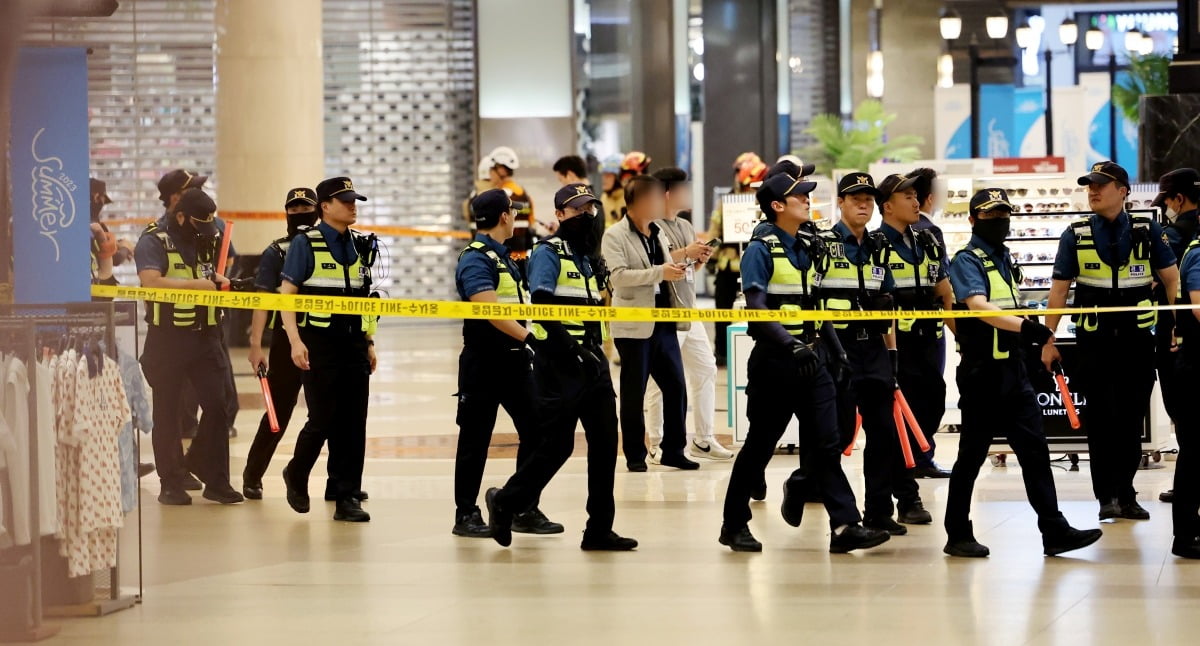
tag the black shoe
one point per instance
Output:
(914, 514)
(223, 493)
(739, 540)
(1110, 510)
(499, 521)
(471, 526)
(192, 483)
(332, 496)
(885, 525)
(145, 469)
(1188, 549)
(174, 496)
(297, 496)
(792, 508)
(932, 471)
(1133, 511)
(610, 542)
(350, 510)
(1069, 539)
(856, 537)
(252, 490)
(1167, 496)
(535, 522)
(679, 461)
(760, 492)
(967, 548)
(636, 466)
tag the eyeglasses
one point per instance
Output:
(1019, 192)
(952, 194)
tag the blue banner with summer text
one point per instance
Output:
(51, 212)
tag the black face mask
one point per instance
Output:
(297, 220)
(993, 232)
(580, 233)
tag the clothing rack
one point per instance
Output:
(22, 323)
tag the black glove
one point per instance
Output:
(531, 346)
(242, 285)
(807, 362)
(894, 355)
(1036, 332)
(586, 356)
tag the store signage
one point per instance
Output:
(1029, 165)
(739, 217)
(51, 212)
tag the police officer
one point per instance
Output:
(486, 274)
(335, 351)
(856, 278)
(922, 344)
(1178, 195)
(283, 377)
(1186, 510)
(572, 379)
(1113, 257)
(789, 376)
(183, 343)
(997, 399)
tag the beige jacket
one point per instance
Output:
(631, 277)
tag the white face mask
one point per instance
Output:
(1171, 214)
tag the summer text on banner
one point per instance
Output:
(460, 310)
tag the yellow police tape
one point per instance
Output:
(407, 308)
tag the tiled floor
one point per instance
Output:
(259, 574)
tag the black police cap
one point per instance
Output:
(300, 195)
(989, 199)
(574, 195)
(1180, 180)
(338, 187)
(1105, 172)
(201, 209)
(778, 188)
(178, 180)
(857, 183)
(893, 184)
(488, 206)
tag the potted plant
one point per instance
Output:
(858, 143)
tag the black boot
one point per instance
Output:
(739, 540)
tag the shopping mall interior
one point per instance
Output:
(463, 124)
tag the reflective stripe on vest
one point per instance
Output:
(572, 284)
(180, 315)
(790, 288)
(844, 281)
(1094, 272)
(329, 277)
(918, 280)
(1005, 294)
(508, 289)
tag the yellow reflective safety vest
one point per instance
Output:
(178, 315)
(331, 278)
(1186, 326)
(509, 289)
(790, 288)
(915, 282)
(1100, 284)
(574, 287)
(280, 245)
(848, 286)
(978, 340)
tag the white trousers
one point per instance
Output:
(700, 371)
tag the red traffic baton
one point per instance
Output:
(223, 260)
(854, 440)
(1061, 377)
(912, 420)
(905, 447)
(266, 392)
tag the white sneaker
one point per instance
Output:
(654, 456)
(710, 450)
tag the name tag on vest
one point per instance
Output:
(180, 265)
(877, 273)
(328, 265)
(1137, 271)
(1091, 265)
(574, 275)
